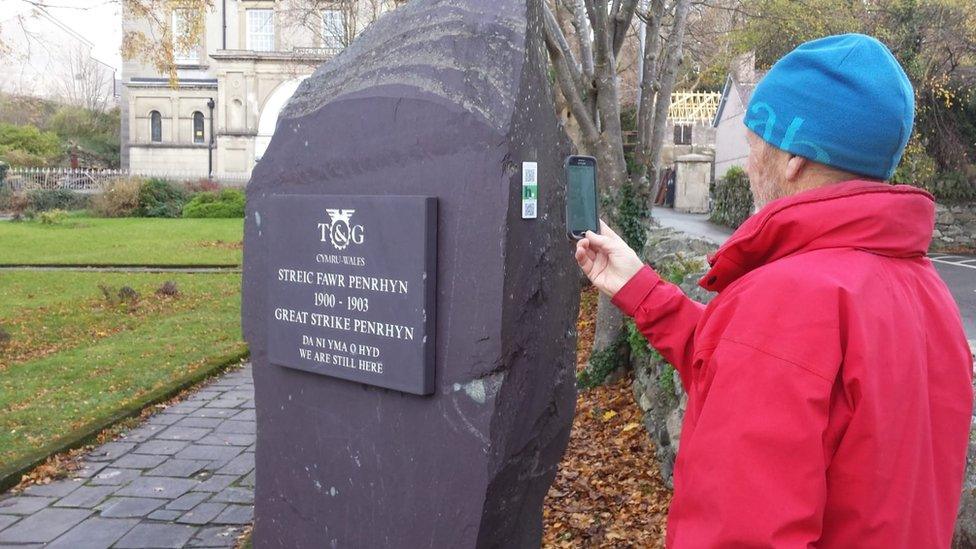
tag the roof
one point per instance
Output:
(744, 89)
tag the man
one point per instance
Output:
(829, 382)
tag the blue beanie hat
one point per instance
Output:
(843, 101)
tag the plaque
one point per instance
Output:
(352, 287)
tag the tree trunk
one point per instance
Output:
(668, 76)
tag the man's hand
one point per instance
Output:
(607, 260)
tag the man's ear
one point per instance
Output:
(795, 167)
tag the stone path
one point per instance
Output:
(184, 478)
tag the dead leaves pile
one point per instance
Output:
(608, 492)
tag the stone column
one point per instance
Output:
(445, 100)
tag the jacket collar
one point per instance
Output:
(890, 220)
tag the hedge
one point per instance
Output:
(733, 199)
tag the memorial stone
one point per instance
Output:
(410, 296)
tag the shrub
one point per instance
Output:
(952, 187)
(123, 298)
(160, 198)
(120, 199)
(28, 146)
(168, 289)
(52, 217)
(201, 185)
(19, 207)
(228, 203)
(733, 199)
(42, 200)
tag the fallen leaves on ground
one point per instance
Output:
(608, 491)
(238, 245)
(61, 465)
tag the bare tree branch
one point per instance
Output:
(567, 76)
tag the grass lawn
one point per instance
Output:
(127, 241)
(72, 358)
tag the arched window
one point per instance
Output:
(198, 127)
(155, 127)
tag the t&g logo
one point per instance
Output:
(340, 231)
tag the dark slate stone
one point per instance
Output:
(209, 453)
(89, 469)
(138, 461)
(187, 501)
(183, 433)
(217, 536)
(183, 468)
(236, 427)
(160, 447)
(234, 495)
(7, 520)
(156, 535)
(226, 439)
(248, 481)
(202, 514)
(224, 403)
(110, 451)
(130, 507)
(94, 533)
(186, 406)
(56, 489)
(441, 98)
(143, 432)
(43, 526)
(86, 496)
(215, 483)
(241, 465)
(157, 487)
(24, 505)
(165, 419)
(113, 477)
(204, 422)
(235, 514)
(214, 412)
(245, 415)
(165, 515)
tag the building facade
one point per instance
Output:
(41, 56)
(731, 144)
(218, 115)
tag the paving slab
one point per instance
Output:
(94, 533)
(43, 526)
(24, 505)
(86, 496)
(156, 535)
(7, 520)
(184, 478)
(123, 507)
(203, 513)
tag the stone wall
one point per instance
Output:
(955, 228)
(657, 388)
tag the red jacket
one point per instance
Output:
(829, 383)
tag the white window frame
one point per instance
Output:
(333, 30)
(182, 57)
(259, 39)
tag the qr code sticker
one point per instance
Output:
(528, 210)
(530, 173)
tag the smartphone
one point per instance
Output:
(581, 203)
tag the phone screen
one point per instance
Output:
(581, 198)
